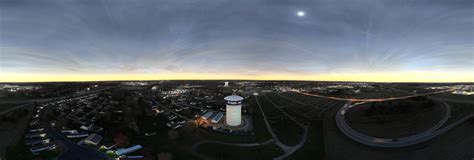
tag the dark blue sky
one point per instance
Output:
(244, 37)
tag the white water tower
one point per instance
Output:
(233, 110)
(226, 84)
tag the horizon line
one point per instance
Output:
(296, 80)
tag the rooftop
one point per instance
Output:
(234, 98)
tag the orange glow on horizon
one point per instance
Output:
(364, 77)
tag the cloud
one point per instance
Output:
(244, 37)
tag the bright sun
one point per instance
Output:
(300, 13)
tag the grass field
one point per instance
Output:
(226, 152)
(314, 145)
(395, 119)
(285, 129)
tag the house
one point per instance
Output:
(70, 131)
(93, 139)
(36, 130)
(87, 128)
(77, 135)
(122, 151)
(35, 135)
(217, 118)
(36, 141)
(49, 146)
(207, 115)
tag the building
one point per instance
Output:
(207, 115)
(217, 118)
(130, 157)
(93, 139)
(233, 110)
(461, 92)
(33, 130)
(226, 84)
(49, 146)
(36, 141)
(70, 131)
(122, 151)
(77, 135)
(35, 135)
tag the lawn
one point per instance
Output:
(220, 151)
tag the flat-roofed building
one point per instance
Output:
(217, 118)
(93, 139)
(33, 130)
(45, 147)
(77, 135)
(207, 115)
(35, 135)
(122, 151)
(36, 141)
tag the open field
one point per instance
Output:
(395, 119)
(459, 111)
(226, 152)
(455, 144)
(12, 127)
(5, 106)
(285, 129)
(306, 106)
(314, 145)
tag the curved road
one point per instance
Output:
(194, 147)
(28, 102)
(73, 150)
(288, 150)
(399, 142)
(373, 99)
(385, 142)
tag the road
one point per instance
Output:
(288, 150)
(399, 142)
(373, 99)
(73, 150)
(16, 107)
(29, 102)
(38, 100)
(384, 142)
(196, 153)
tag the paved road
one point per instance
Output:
(455, 100)
(196, 153)
(16, 107)
(30, 102)
(384, 142)
(373, 99)
(53, 98)
(287, 149)
(73, 150)
(399, 142)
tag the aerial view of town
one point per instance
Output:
(237, 120)
(236, 80)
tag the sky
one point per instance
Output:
(344, 40)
